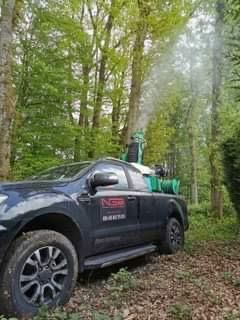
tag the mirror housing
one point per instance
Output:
(103, 179)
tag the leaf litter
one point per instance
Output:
(200, 284)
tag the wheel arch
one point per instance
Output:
(175, 211)
(58, 222)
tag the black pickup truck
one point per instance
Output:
(76, 217)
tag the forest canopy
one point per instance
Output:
(78, 77)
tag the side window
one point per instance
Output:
(118, 170)
(138, 180)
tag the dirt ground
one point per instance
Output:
(201, 283)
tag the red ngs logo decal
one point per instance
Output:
(113, 203)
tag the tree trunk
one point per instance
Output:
(192, 131)
(102, 69)
(7, 96)
(215, 165)
(116, 110)
(137, 70)
(83, 118)
(193, 156)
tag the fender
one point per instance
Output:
(26, 207)
(175, 208)
(54, 211)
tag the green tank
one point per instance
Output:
(135, 154)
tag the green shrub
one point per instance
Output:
(101, 316)
(4, 318)
(120, 282)
(203, 208)
(231, 316)
(180, 312)
(57, 314)
(199, 209)
(206, 228)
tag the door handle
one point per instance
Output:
(132, 198)
(83, 199)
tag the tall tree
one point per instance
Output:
(215, 164)
(192, 133)
(137, 66)
(102, 67)
(7, 96)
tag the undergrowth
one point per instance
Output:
(121, 282)
(206, 228)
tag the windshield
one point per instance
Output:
(61, 172)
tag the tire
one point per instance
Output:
(173, 239)
(41, 269)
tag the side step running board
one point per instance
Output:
(109, 259)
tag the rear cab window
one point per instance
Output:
(138, 181)
(116, 169)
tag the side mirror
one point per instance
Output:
(103, 179)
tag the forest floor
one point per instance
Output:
(203, 282)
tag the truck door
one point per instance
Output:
(114, 213)
(147, 214)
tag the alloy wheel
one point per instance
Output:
(43, 276)
(175, 236)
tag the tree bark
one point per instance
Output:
(137, 69)
(192, 131)
(215, 165)
(102, 69)
(193, 156)
(117, 109)
(83, 118)
(7, 96)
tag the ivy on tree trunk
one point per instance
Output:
(7, 96)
